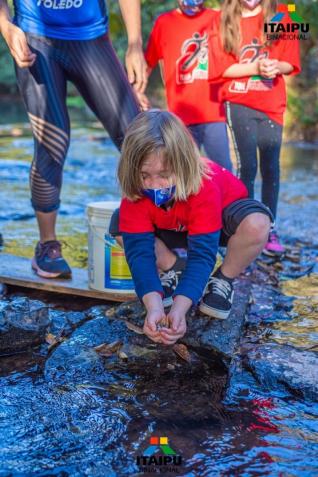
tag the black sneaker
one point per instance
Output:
(48, 261)
(218, 298)
(170, 279)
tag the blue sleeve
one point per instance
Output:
(140, 255)
(202, 250)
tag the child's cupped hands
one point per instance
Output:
(165, 329)
(174, 327)
(152, 325)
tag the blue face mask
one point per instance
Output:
(160, 196)
(191, 7)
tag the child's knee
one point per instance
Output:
(256, 227)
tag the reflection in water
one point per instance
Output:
(98, 429)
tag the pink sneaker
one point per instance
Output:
(273, 246)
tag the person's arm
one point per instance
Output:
(238, 70)
(135, 61)
(270, 68)
(267, 68)
(284, 68)
(201, 260)
(15, 38)
(155, 316)
(140, 255)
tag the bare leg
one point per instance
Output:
(46, 223)
(165, 258)
(246, 244)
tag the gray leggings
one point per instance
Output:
(92, 66)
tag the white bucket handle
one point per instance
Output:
(102, 238)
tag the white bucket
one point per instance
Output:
(107, 267)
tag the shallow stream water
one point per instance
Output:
(98, 429)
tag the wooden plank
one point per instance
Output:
(17, 271)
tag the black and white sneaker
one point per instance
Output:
(170, 279)
(218, 298)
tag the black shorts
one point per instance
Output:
(232, 216)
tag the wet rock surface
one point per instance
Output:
(23, 324)
(219, 337)
(279, 346)
(276, 366)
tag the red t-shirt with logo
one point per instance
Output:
(266, 95)
(199, 214)
(180, 43)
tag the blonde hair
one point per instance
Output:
(160, 132)
(231, 13)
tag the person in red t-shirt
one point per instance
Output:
(175, 199)
(250, 69)
(179, 42)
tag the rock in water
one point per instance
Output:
(276, 365)
(23, 324)
(221, 336)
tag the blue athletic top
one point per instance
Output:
(63, 19)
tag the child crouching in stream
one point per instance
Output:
(173, 198)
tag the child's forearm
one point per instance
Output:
(152, 301)
(182, 304)
(239, 70)
(285, 68)
(5, 17)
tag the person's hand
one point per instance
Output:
(268, 69)
(152, 324)
(136, 67)
(18, 46)
(177, 326)
(143, 101)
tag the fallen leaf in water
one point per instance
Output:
(293, 257)
(278, 266)
(50, 339)
(110, 313)
(123, 356)
(53, 340)
(108, 349)
(136, 351)
(134, 328)
(264, 266)
(182, 351)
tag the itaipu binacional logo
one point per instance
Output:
(287, 24)
(159, 457)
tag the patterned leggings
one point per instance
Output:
(92, 66)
